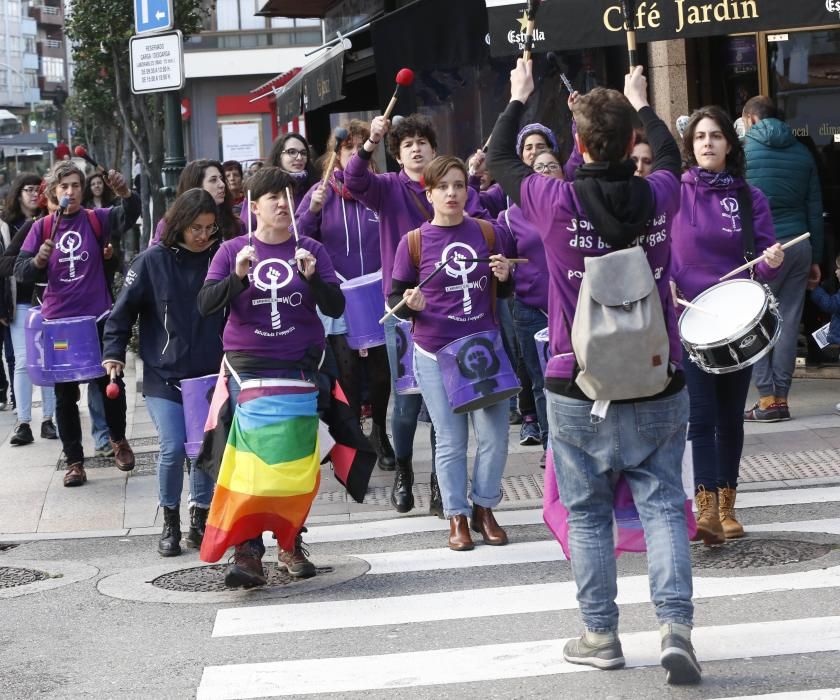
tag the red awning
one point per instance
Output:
(277, 81)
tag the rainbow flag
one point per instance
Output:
(270, 471)
(60, 345)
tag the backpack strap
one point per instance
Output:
(95, 224)
(414, 247)
(489, 234)
(745, 210)
(46, 226)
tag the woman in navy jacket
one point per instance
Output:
(176, 343)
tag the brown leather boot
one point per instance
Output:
(732, 529)
(709, 528)
(123, 455)
(484, 522)
(75, 475)
(459, 534)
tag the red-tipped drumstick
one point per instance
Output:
(405, 77)
(81, 152)
(113, 390)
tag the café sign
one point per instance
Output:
(579, 24)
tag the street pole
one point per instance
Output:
(173, 161)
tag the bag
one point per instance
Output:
(619, 335)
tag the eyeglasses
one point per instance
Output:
(294, 153)
(547, 167)
(30, 190)
(211, 230)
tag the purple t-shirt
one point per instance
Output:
(458, 300)
(569, 237)
(530, 280)
(275, 315)
(76, 284)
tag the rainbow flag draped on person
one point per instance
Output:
(269, 473)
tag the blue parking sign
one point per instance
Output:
(153, 16)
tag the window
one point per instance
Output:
(13, 8)
(227, 15)
(53, 69)
(29, 45)
(247, 19)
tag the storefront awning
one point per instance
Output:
(580, 24)
(296, 8)
(318, 84)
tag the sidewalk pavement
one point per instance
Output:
(35, 505)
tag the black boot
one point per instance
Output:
(171, 536)
(435, 501)
(383, 449)
(401, 497)
(198, 519)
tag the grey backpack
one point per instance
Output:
(619, 335)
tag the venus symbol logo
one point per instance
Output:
(459, 269)
(69, 243)
(477, 360)
(271, 275)
(730, 210)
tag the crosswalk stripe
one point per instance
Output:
(829, 525)
(349, 532)
(445, 558)
(501, 661)
(484, 602)
(820, 694)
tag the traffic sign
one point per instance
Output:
(157, 62)
(152, 16)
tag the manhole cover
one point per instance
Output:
(210, 579)
(6, 546)
(11, 576)
(749, 553)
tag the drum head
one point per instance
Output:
(730, 307)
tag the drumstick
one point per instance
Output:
(488, 260)
(113, 389)
(751, 263)
(341, 135)
(531, 14)
(689, 305)
(404, 301)
(405, 77)
(291, 202)
(628, 9)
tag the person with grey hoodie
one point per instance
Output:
(785, 172)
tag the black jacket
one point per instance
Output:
(176, 342)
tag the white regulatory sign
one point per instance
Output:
(157, 62)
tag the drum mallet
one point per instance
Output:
(81, 152)
(628, 9)
(751, 263)
(113, 389)
(341, 135)
(405, 77)
(531, 16)
(59, 213)
(404, 301)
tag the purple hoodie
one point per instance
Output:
(401, 204)
(569, 237)
(346, 227)
(530, 280)
(707, 239)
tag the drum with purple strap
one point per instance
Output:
(405, 382)
(72, 352)
(543, 351)
(196, 395)
(364, 304)
(34, 334)
(477, 372)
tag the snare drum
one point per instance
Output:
(72, 352)
(477, 372)
(543, 350)
(739, 324)
(364, 304)
(405, 383)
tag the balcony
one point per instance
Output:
(47, 15)
(48, 85)
(53, 48)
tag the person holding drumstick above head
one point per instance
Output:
(444, 312)
(708, 242)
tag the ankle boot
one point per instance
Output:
(709, 528)
(732, 529)
(484, 523)
(401, 497)
(198, 521)
(435, 500)
(459, 534)
(382, 447)
(171, 536)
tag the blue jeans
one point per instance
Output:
(645, 442)
(22, 382)
(451, 435)
(406, 407)
(528, 320)
(168, 417)
(505, 317)
(96, 408)
(716, 426)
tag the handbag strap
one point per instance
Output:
(746, 215)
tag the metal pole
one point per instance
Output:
(173, 161)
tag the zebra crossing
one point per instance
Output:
(428, 622)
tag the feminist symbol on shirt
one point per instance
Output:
(731, 210)
(272, 275)
(69, 243)
(457, 268)
(477, 360)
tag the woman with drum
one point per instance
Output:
(273, 343)
(454, 313)
(711, 233)
(350, 233)
(176, 343)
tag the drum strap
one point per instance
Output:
(746, 214)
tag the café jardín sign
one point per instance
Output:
(579, 24)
